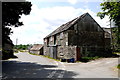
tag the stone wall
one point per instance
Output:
(85, 34)
(35, 52)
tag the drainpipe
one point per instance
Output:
(77, 42)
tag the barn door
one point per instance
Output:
(77, 53)
(53, 52)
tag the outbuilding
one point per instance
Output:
(80, 37)
(37, 49)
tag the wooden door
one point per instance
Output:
(51, 52)
(55, 52)
(78, 54)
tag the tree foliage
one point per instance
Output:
(22, 47)
(11, 13)
(112, 9)
(115, 39)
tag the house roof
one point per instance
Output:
(68, 25)
(37, 47)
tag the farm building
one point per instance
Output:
(37, 49)
(77, 38)
(107, 37)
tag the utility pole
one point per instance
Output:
(16, 42)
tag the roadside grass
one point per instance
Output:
(21, 50)
(43, 56)
(116, 52)
(87, 59)
(83, 59)
(118, 66)
(18, 50)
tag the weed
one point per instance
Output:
(118, 66)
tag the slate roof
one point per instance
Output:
(36, 47)
(66, 25)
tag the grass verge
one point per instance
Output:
(43, 56)
(116, 52)
(118, 66)
(87, 59)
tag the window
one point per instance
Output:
(59, 42)
(51, 38)
(61, 35)
(75, 28)
(47, 41)
(54, 39)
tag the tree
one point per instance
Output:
(112, 9)
(11, 13)
(21, 47)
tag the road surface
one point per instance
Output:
(32, 66)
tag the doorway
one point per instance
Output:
(53, 52)
(78, 54)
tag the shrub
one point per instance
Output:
(86, 59)
(118, 66)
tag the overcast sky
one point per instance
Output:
(47, 15)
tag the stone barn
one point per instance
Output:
(107, 37)
(37, 49)
(77, 38)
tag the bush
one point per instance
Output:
(6, 54)
(16, 51)
(86, 59)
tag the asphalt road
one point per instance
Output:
(32, 66)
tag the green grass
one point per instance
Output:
(78, 61)
(21, 51)
(91, 58)
(87, 59)
(18, 50)
(44, 56)
(118, 66)
(116, 52)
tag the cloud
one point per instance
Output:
(43, 21)
(72, 1)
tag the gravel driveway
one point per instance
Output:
(32, 66)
